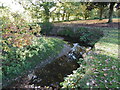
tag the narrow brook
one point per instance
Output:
(53, 73)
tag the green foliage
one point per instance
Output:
(45, 11)
(21, 50)
(18, 60)
(16, 30)
(66, 32)
(16, 35)
(87, 35)
(46, 27)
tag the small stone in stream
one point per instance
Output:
(34, 77)
(39, 80)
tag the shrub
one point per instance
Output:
(88, 35)
(16, 35)
(66, 32)
(16, 38)
(46, 27)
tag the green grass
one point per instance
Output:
(106, 59)
(109, 43)
(101, 66)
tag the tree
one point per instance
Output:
(85, 12)
(39, 7)
(101, 7)
(117, 13)
(111, 11)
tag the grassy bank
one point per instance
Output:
(19, 60)
(100, 68)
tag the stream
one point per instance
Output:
(52, 73)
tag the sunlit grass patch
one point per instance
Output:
(106, 57)
(109, 43)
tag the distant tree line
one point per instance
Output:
(65, 11)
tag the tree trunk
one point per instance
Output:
(58, 17)
(101, 13)
(63, 16)
(111, 11)
(68, 17)
(53, 19)
(85, 16)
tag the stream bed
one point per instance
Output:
(52, 73)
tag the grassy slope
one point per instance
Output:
(109, 43)
(107, 59)
(101, 67)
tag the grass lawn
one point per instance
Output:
(106, 56)
(109, 43)
(100, 68)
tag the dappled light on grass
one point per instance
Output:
(106, 71)
(107, 61)
(109, 43)
(100, 71)
(107, 56)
